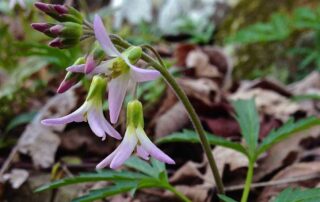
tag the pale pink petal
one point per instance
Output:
(106, 162)
(142, 75)
(90, 64)
(108, 128)
(117, 91)
(152, 149)
(76, 116)
(125, 149)
(103, 37)
(22, 3)
(12, 3)
(76, 68)
(142, 152)
(94, 123)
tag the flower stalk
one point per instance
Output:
(185, 101)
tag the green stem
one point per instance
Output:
(185, 101)
(248, 182)
(178, 194)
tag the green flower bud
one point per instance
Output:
(133, 53)
(135, 114)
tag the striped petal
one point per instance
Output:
(142, 153)
(103, 37)
(142, 75)
(94, 121)
(117, 91)
(152, 149)
(76, 116)
(125, 150)
(108, 128)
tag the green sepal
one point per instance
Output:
(135, 114)
(97, 89)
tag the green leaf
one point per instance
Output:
(192, 137)
(226, 198)
(298, 195)
(107, 175)
(21, 119)
(288, 129)
(248, 119)
(141, 165)
(120, 187)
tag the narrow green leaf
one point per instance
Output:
(288, 129)
(298, 195)
(97, 194)
(192, 137)
(141, 165)
(21, 119)
(248, 119)
(226, 198)
(108, 175)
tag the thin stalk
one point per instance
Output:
(178, 194)
(185, 101)
(248, 182)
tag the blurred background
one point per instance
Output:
(219, 50)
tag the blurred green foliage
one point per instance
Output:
(268, 35)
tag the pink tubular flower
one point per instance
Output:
(120, 68)
(90, 111)
(135, 137)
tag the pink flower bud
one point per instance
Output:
(41, 27)
(61, 9)
(56, 29)
(43, 7)
(56, 43)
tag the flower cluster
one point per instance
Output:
(113, 75)
(68, 31)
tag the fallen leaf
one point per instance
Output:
(16, 177)
(299, 170)
(284, 153)
(39, 141)
(189, 172)
(173, 120)
(269, 102)
(200, 61)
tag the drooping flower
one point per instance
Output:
(91, 111)
(134, 138)
(120, 67)
(13, 3)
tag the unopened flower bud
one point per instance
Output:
(133, 53)
(61, 13)
(56, 29)
(44, 28)
(90, 64)
(69, 80)
(63, 42)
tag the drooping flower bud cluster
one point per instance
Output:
(68, 31)
(113, 74)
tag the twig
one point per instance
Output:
(276, 182)
(7, 163)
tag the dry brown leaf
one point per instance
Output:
(187, 171)
(200, 61)
(310, 83)
(294, 171)
(225, 156)
(284, 153)
(268, 102)
(39, 141)
(173, 120)
(16, 177)
(204, 90)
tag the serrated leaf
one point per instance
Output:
(108, 175)
(226, 198)
(288, 129)
(112, 190)
(248, 119)
(192, 137)
(298, 195)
